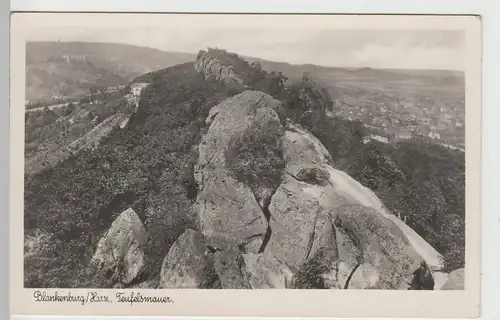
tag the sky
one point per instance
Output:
(385, 48)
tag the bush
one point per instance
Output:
(310, 274)
(425, 184)
(256, 159)
(69, 109)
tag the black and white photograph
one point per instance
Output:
(245, 159)
(209, 155)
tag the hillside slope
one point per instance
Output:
(226, 178)
(67, 69)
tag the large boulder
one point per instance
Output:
(228, 266)
(302, 149)
(456, 280)
(188, 264)
(300, 224)
(387, 259)
(229, 213)
(365, 246)
(230, 119)
(440, 278)
(121, 249)
(266, 272)
(227, 209)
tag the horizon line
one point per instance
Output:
(244, 56)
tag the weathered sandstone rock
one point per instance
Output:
(300, 225)
(188, 264)
(230, 216)
(212, 67)
(265, 272)
(388, 260)
(456, 280)
(370, 247)
(121, 249)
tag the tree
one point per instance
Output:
(69, 109)
(277, 84)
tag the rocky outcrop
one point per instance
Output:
(314, 97)
(320, 209)
(386, 259)
(121, 249)
(455, 281)
(300, 225)
(210, 66)
(319, 228)
(188, 264)
(91, 139)
(134, 96)
(230, 216)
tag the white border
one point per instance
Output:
(491, 79)
(254, 6)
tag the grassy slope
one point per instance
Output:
(48, 131)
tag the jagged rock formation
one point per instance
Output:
(316, 213)
(333, 213)
(121, 249)
(212, 67)
(313, 95)
(230, 215)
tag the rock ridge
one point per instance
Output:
(310, 226)
(210, 66)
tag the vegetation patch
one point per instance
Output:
(252, 74)
(256, 159)
(152, 156)
(310, 274)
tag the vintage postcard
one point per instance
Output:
(245, 165)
